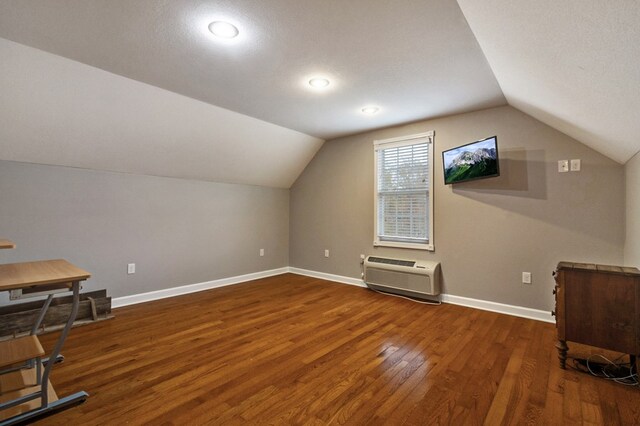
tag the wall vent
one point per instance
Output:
(392, 261)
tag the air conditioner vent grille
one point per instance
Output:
(392, 261)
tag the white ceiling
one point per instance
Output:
(416, 59)
(572, 64)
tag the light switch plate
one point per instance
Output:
(575, 165)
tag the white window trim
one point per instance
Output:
(397, 142)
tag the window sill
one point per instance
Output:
(396, 244)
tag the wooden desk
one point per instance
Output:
(41, 275)
(6, 244)
(23, 386)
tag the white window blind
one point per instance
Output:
(403, 187)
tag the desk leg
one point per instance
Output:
(43, 311)
(63, 336)
(36, 325)
(40, 413)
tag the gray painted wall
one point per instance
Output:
(486, 232)
(177, 231)
(632, 240)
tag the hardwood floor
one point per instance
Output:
(297, 350)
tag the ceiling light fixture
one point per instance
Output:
(319, 83)
(370, 110)
(223, 29)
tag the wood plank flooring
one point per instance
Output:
(298, 350)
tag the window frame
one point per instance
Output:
(415, 139)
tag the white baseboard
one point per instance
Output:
(119, 302)
(518, 311)
(329, 277)
(485, 305)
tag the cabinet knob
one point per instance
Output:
(553, 313)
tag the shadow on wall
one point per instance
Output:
(574, 201)
(522, 174)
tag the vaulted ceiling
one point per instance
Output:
(414, 61)
(573, 65)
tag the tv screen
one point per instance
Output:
(476, 160)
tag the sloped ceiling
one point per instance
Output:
(414, 60)
(572, 64)
(61, 112)
(143, 87)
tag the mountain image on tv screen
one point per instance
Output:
(473, 161)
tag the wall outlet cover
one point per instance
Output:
(563, 166)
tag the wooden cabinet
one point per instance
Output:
(597, 305)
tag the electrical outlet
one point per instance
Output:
(563, 166)
(261, 252)
(131, 268)
(326, 253)
(362, 257)
(526, 277)
(575, 165)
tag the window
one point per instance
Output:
(403, 192)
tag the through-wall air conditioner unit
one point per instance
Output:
(415, 278)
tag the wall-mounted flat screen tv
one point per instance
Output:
(476, 160)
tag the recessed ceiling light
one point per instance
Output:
(370, 110)
(223, 29)
(319, 83)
